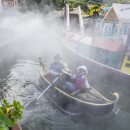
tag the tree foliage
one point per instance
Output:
(94, 10)
(59, 4)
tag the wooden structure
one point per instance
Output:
(9, 4)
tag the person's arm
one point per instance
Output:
(54, 73)
(73, 76)
(66, 68)
(87, 84)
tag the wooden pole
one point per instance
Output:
(65, 13)
(80, 20)
(67, 18)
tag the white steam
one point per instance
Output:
(31, 33)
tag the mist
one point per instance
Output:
(31, 34)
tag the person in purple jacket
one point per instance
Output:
(80, 80)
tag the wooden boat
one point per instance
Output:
(87, 102)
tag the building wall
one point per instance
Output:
(109, 29)
(0, 5)
(109, 58)
(9, 4)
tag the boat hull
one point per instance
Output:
(70, 105)
(74, 106)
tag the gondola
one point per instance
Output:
(88, 102)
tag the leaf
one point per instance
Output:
(10, 113)
(3, 127)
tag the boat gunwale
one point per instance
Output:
(85, 102)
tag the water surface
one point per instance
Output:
(19, 79)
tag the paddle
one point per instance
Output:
(41, 63)
(33, 101)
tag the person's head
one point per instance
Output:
(57, 58)
(82, 70)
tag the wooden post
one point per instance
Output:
(81, 21)
(67, 18)
(65, 13)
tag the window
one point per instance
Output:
(125, 28)
(110, 29)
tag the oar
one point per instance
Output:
(42, 64)
(33, 101)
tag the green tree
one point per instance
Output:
(72, 4)
(94, 10)
(58, 4)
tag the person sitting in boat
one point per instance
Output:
(79, 80)
(57, 67)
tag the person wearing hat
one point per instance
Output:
(80, 80)
(57, 66)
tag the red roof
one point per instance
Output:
(109, 45)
